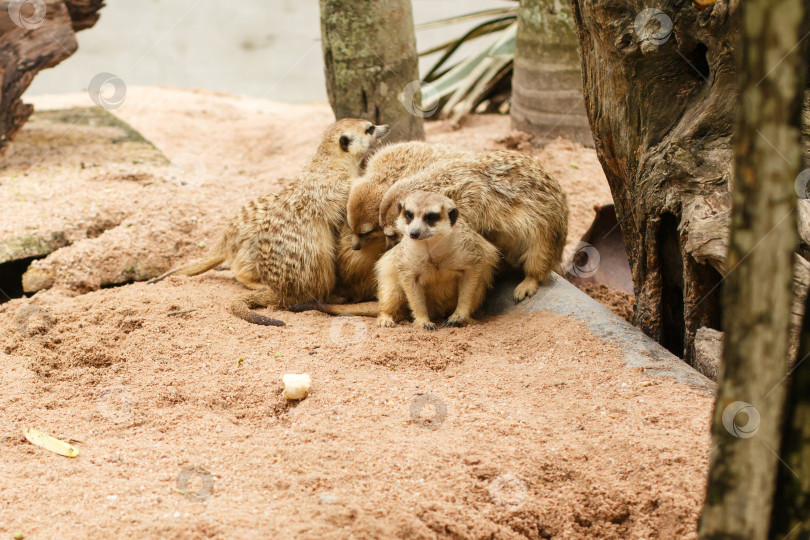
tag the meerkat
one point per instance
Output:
(361, 246)
(388, 165)
(356, 280)
(441, 267)
(506, 196)
(284, 245)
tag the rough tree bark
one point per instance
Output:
(758, 287)
(792, 500)
(371, 64)
(660, 87)
(32, 39)
(547, 81)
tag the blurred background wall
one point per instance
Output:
(261, 48)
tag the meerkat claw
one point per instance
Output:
(427, 326)
(526, 289)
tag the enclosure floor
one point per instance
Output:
(540, 430)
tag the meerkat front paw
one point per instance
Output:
(385, 321)
(425, 324)
(456, 321)
(526, 289)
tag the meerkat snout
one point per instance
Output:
(381, 131)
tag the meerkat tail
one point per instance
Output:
(361, 309)
(243, 306)
(214, 259)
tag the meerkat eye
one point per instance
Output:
(370, 129)
(431, 218)
(408, 215)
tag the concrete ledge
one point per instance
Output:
(563, 298)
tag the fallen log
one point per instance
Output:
(35, 35)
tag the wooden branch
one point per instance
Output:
(84, 13)
(30, 43)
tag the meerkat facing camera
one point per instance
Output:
(506, 196)
(441, 267)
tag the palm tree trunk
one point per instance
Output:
(547, 80)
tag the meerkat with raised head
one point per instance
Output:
(360, 246)
(441, 268)
(284, 244)
(506, 196)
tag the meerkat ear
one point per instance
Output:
(399, 208)
(344, 142)
(453, 215)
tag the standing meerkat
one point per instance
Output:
(506, 196)
(441, 267)
(360, 246)
(284, 244)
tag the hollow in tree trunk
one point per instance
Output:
(660, 86)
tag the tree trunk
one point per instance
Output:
(547, 81)
(758, 288)
(371, 65)
(660, 87)
(35, 36)
(792, 500)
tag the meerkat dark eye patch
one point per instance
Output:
(344, 142)
(370, 130)
(431, 218)
(453, 215)
(408, 216)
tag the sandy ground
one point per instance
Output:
(521, 426)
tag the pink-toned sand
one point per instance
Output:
(538, 429)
